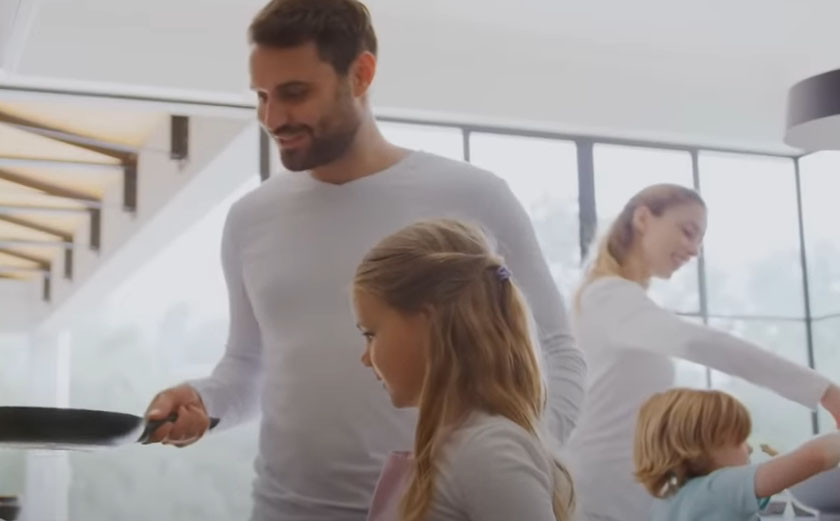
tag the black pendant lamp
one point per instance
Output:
(813, 113)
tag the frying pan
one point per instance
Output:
(74, 429)
(9, 508)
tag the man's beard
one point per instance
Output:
(336, 134)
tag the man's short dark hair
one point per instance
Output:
(341, 29)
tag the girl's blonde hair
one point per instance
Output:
(480, 354)
(675, 432)
(608, 259)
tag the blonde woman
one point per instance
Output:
(630, 344)
(691, 453)
(446, 332)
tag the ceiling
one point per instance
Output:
(714, 72)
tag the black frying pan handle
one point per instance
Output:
(153, 425)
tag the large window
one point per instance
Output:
(443, 141)
(820, 182)
(820, 176)
(776, 421)
(542, 173)
(754, 273)
(752, 243)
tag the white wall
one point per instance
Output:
(19, 302)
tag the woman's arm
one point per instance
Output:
(633, 321)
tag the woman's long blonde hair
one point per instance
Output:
(675, 432)
(609, 258)
(480, 354)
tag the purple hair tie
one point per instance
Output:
(502, 273)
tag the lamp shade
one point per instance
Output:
(813, 113)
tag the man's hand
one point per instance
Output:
(192, 420)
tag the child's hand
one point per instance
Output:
(831, 402)
(770, 451)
